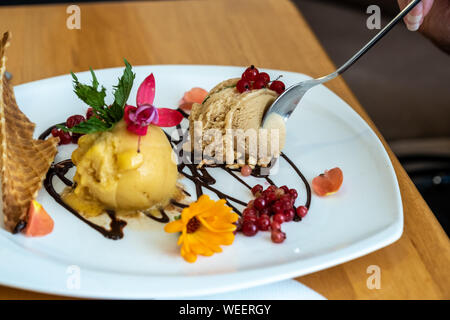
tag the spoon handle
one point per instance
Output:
(286, 103)
(377, 37)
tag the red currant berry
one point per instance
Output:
(270, 197)
(279, 193)
(250, 204)
(302, 211)
(278, 236)
(275, 226)
(263, 223)
(264, 211)
(266, 192)
(258, 84)
(287, 201)
(249, 228)
(89, 113)
(260, 203)
(55, 132)
(64, 137)
(279, 217)
(75, 137)
(250, 217)
(263, 76)
(277, 86)
(243, 85)
(285, 189)
(249, 211)
(289, 214)
(250, 73)
(256, 189)
(293, 193)
(246, 170)
(72, 121)
(272, 188)
(277, 207)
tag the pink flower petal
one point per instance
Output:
(146, 91)
(144, 115)
(126, 113)
(137, 129)
(168, 117)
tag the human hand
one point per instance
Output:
(432, 18)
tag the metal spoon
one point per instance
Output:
(286, 103)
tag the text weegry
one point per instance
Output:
(231, 309)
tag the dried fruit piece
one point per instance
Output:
(328, 182)
(187, 106)
(195, 95)
(39, 222)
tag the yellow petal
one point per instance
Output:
(174, 226)
(205, 241)
(186, 252)
(198, 247)
(218, 226)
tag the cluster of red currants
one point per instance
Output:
(253, 79)
(269, 209)
(69, 137)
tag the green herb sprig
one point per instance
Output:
(105, 117)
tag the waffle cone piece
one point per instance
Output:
(24, 161)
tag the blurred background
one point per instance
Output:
(403, 83)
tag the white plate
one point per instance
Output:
(365, 215)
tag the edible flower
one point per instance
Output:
(139, 118)
(103, 117)
(205, 225)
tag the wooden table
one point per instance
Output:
(268, 33)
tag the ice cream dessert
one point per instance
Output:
(111, 174)
(126, 164)
(124, 160)
(228, 123)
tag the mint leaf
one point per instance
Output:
(105, 116)
(122, 92)
(94, 79)
(89, 94)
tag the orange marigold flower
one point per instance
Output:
(205, 225)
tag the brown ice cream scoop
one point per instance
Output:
(227, 125)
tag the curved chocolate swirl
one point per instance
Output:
(201, 178)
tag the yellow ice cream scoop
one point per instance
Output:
(111, 173)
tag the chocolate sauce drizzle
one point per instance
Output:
(201, 178)
(60, 169)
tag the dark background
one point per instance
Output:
(403, 83)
